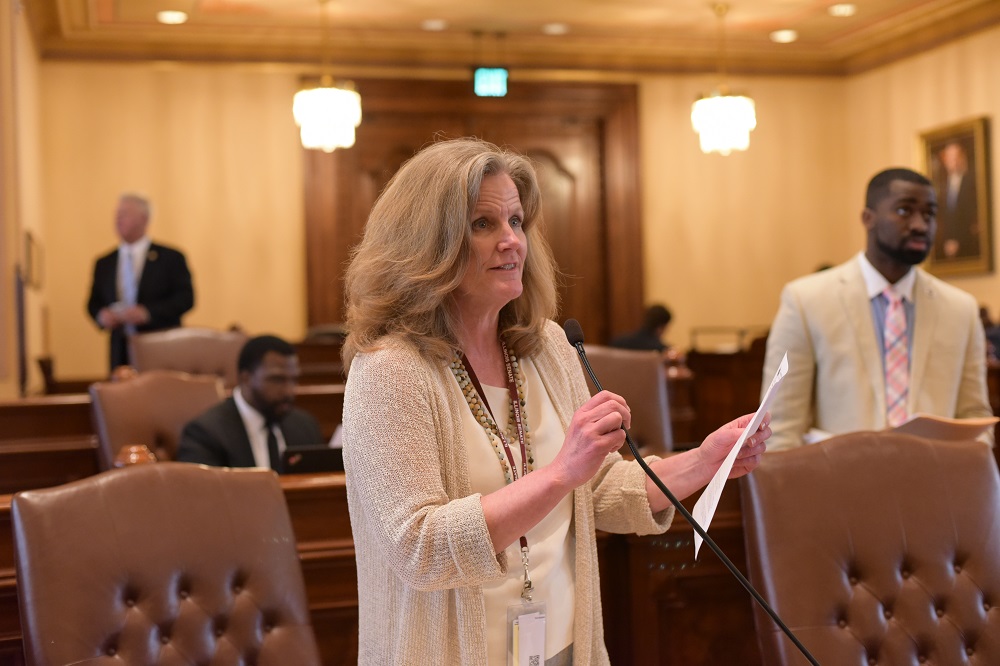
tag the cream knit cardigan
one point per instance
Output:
(422, 547)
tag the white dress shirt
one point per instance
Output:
(137, 251)
(256, 428)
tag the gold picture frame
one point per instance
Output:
(956, 159)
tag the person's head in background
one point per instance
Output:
(268, 374)
(656, 319)
(132, 217)
(953, 158)
(984, 316)
(419, 255)
(900, 219)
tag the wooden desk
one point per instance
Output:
(46, 441)
(325, 402)
(663, 607)
(319, 361)
(49, 440)
(46, 417)
(725, 386)
(680, 394)
(44, 462)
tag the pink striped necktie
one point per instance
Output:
(897, 362)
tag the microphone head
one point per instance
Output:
(574, 333)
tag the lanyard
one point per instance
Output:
(515, 406)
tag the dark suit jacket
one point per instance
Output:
(218, 437)
(165, 290)
(959, 222)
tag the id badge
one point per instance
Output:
(526, 634)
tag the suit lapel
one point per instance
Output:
(238, 442)
(149, 268)
(109, 278)
(858, 310)
(925, 318)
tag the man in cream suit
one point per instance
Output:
(833, 326)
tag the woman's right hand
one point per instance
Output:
(594, 432)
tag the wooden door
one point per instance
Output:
(566, 155)
(582, 140)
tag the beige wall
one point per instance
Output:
(8, 208)
(723, 234)
(889, 108)
(30, 200)
(20, 173)
(216, 150)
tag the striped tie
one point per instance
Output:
(897, 362)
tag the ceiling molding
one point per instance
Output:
(68, 30)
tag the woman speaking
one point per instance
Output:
(478, 465)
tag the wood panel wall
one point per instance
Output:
(584, 141)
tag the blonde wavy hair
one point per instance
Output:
(417, 246)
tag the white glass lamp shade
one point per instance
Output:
(327, 117)
(723, 122)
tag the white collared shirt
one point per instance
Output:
(875, 284)
(255, 425)
(137, 251)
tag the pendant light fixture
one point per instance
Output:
(723, 120)
(327, 114)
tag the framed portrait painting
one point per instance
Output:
(956, 159)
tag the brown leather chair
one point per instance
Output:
(199, 351)
(151, 409)
(161, 564)
(640, 378)
(877, 548)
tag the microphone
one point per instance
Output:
(574, 333)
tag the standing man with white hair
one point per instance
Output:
(140, 285)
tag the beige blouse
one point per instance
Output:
(550, 543)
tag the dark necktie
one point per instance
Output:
(272, 448)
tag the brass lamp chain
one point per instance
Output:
(326, 67)
(721, 9)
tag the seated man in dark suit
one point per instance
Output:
(254, 426)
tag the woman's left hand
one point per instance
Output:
(690, 470)
(717, 446)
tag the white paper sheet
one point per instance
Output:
(704, 508)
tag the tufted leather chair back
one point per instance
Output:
(161, 564)
(151, 409)
(877, 548)
(199, 351)
(640, 378)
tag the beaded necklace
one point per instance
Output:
(517, 425)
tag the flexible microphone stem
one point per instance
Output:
(574, 334)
